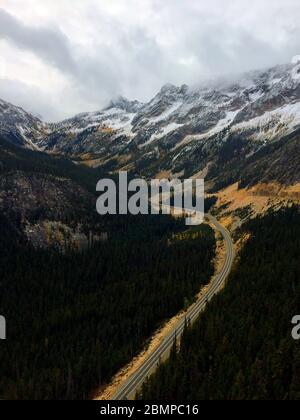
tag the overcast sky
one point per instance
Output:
(61, 57)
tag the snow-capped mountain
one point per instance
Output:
(265, 103)
(95, 134)
(180, 131)
(22, 127)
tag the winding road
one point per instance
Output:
(133, 384)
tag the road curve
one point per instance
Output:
(134, 382)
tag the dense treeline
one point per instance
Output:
(242, 348)
(13, 158)
(73, 320)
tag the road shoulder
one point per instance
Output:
(107, 393)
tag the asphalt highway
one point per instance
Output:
(133, 384)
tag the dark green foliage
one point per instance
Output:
(14, 158)
(247, 162)
(242, 348)
(277, 161)
(209, 203)
(74, 320)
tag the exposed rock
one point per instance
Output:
(180, 130)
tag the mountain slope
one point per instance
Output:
(43, 197)
(95, 135)
(213, 130)
(21, 127)
(241, 348)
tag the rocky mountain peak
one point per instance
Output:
(296, 59)
(21, 126)
(259, 107)
(170, 90)
(125, 105)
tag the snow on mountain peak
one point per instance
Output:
(168, 88)
(124, 104)
(262, 105)
(296, 59)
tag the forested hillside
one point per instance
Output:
(75, 317)
(13, 158)
(242, 348)
(73, 320)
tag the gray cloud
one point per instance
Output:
(104, 49)
(19, 93)
(48, 43)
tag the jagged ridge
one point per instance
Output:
(182, 130)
